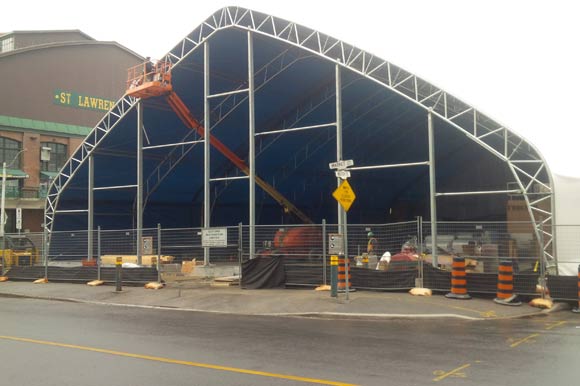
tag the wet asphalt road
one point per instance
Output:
(59, 343)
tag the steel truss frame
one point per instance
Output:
(521, 157)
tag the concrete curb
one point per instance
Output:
(319, 315)
(316, 315)
(557, 307)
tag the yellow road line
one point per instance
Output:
(485, 314)
(177, 362)
(555, 325)
(517, 343)
(445, 375)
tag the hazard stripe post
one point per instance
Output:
(343, 270)
(505, 285)
(333, 275)
(577, 309)
(458, 280)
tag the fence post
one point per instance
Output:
(419, 281)
(99, 262)
(324, 251)
(45, 250)
(158, 253)
(240, 250)
(576, 309)
(541, 259)
(3, 256)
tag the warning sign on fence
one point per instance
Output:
(147, 245)
(214, 237)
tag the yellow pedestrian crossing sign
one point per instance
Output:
(344, 195)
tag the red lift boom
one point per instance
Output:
(153, 80)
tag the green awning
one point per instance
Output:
(49, 175)
(13, 174)
(7, 122)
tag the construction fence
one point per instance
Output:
(393, 256)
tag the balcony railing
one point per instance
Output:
(14, 192)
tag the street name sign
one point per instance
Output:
(341, 165)
(343, 174)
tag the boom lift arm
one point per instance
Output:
(143, 83)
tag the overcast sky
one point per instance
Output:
(516, 61)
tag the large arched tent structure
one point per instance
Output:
(278, 81)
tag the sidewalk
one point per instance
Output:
(277, 302)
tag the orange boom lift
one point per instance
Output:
(148, 80)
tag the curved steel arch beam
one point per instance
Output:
(81, 155)
(476, 125)
(463, 117)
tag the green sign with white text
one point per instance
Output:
(80, 101)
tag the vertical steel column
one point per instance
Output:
(206, 147)
(338, 95)
(324, 251)
(542, 259)
(139, 205)
(554, 229)
(252, 144)
(419, 281)
(341, 212)
(240, 251)
(432, 188)
(90, 214)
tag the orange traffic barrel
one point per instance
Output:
(505, 285)
(458, 280)
(577, 309)
(343, 267)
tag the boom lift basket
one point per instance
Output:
(149, 79)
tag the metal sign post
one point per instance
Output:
(335, 248)
(19, 219)
(158, 253)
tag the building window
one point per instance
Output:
(9, 150)
(58, 156)
(7, 45)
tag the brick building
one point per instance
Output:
(56, 85)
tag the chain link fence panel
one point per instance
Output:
(382, 256)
